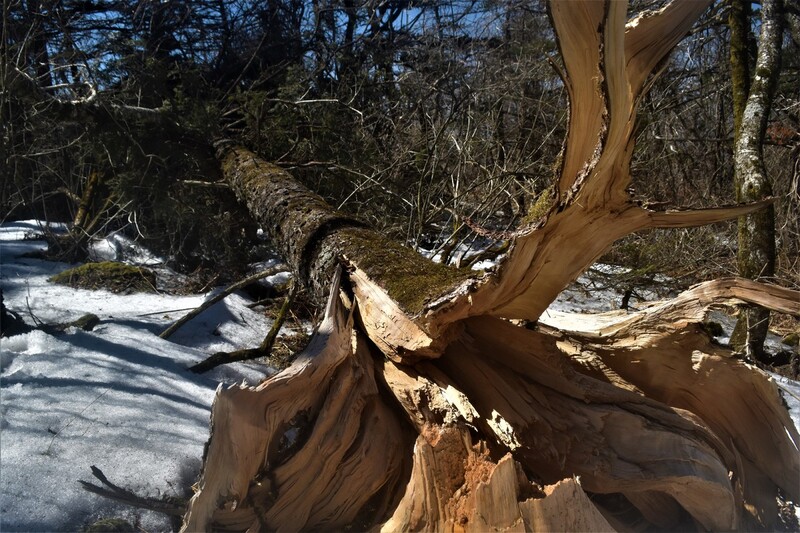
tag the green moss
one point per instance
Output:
(540, 207)
(110, 525)
(791, 339)
(408, 278)
(87, 322)
(115, 277)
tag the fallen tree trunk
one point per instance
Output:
(419, 405)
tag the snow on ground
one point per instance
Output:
(119, 397)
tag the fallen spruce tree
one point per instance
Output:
(434, 399)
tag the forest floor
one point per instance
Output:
(120, 398)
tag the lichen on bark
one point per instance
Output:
(756, 232)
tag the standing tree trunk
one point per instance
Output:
(421, 405)
(756, 233)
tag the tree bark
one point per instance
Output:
(739, 24)
(421, 405)
(756, 232)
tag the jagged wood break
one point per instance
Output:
(419, 406)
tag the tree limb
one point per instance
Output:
(220, 296)
(264, 349)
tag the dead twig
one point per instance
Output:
(221, 295)
(126, 496)
(221, 358)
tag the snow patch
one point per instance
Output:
(118, 397)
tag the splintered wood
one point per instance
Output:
(425, 407)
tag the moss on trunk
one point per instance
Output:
(739, 23)
(756, 233)
(407, 277)
(313, 237)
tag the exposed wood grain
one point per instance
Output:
(420, 406)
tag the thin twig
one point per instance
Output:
(222, 358)
(263, 301)
(165, 311)
(210, 184)
(71, 420)
(787, 391)
(36, 320)
(269, 340)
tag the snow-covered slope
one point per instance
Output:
(117, 397)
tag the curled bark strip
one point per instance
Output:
(691, 306)
(691, 218)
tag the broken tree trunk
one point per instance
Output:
(419, 405)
